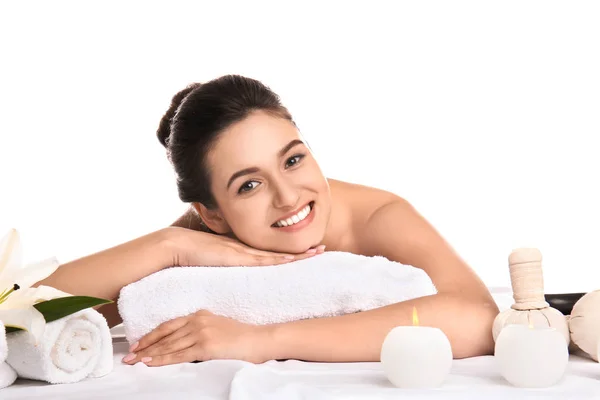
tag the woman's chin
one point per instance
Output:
(299, 243)
(288, 248)
(301, 248)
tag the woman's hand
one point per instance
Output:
(201, 336)
(195, 248)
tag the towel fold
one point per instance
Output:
(326, 285)
(72, 348)
(7, 374)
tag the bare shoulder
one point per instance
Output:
(381, 222)
(356, 205)
(361, 198)
(398, 231)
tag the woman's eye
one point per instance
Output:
(248, 186)
(294, 160)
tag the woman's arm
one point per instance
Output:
(358, 337)
(103, 274)
(463, 308)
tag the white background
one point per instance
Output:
(484, 115)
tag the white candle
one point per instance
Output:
(531, 357)
(416, 356)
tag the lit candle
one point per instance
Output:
(416, 356)
(531, 357)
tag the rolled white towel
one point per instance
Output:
(72, 348)
(329, 284)
(7, 374)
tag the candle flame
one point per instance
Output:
(415, 317)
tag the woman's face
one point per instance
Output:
(269, 189)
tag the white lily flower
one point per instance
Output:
(17, 297)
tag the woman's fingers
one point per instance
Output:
(267, 258)
(239, 254)
(168, 345)
(178, 340)
(185, 355)
(265, 253)
(163, 330)
(265, 261)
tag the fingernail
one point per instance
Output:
(133, 347)
(311, 251)
(321, 248)
(129, 357)
(146, 359)
(289, 257)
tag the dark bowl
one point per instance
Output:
(563, 302)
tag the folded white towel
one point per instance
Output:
(7, 374)
(329, 284)
(72, 348)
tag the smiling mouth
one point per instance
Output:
(297, 218)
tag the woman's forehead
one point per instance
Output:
(254, 142)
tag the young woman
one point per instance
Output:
(258, 197)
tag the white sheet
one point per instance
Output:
(471, 378)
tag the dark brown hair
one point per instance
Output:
(196, 117)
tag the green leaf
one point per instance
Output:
(58, 308)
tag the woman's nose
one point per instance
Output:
(285, 196)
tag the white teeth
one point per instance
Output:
(303, 213)
(294, 219)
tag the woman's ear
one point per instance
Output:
(212, 219)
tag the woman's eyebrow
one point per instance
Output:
(253, 170)
(242, 172)
(288, 146)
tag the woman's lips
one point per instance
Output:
(299, 225)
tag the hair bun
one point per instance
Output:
(164, 128)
